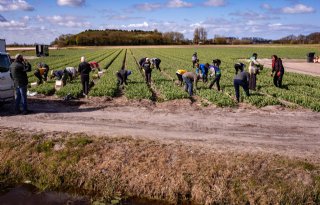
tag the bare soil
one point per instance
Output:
(296, 66)
(273, 129)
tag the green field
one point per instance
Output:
(299, 90)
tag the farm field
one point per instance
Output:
(299, 90)
(155, 142)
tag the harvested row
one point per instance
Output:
(163, 84)
(217, 98)
(107, 85)
(48, 87)
(137, 88)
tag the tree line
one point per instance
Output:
(120, 37)
(139, 37)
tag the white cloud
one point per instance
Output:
(215, 3)
(298, 9)
(12, 24)
(14, 5)
(65, 21)
(139, 25)
(147, 6)
(266, 6)
(178, 4)
(71, 2)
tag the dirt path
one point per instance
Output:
(272, 129)
(296, 66)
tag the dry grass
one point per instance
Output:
(123, 166)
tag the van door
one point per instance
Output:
(6, 82)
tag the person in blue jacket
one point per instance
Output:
(203, 68)
(215, 70)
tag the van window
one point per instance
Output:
(4, 63)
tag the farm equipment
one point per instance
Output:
(42, 50)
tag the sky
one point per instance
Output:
(41, 21)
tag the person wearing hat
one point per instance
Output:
(194, 59)
(147, 70)
(84, 69)
(241, 79)
(215, 70)
(19, 69)
(156, 62)
(122, 76)
(179, 74)
(42, 73)
(254, 69)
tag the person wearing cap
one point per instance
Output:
(194, 59)
(84, 69)
(19, 69)
(179, 74)
(215, 70)
(147, 70)
(122, 76)
(190, 78)
(42, 73)
(95, 65)
(156, 62)
(241, 79)
(254, 69)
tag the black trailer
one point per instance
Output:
(42, 50)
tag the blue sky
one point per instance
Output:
(41, 21)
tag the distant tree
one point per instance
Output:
(196, 36)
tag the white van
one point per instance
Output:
(6, 82)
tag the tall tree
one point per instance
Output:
(200, 35)
(196, 36)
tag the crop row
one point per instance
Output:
(164, 86)
(300, 89)
(107, 85)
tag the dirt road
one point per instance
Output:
(296, 66)
(271, 130)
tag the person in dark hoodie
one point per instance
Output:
(19, 69)
(84, 69)
(278, 69)
(241, 79)
(147, 70)
(122, 76)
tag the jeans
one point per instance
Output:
(148, 77)
(216, 80)
(85, 83)
(189, 86)
(277, 80)
(237, 83)
(21, 97)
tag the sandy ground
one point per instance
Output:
(270, 130)
(296, 66)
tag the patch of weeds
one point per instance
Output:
(79, 142)
(45, 146)
(38, 137)
(204, 104)
(307, 166)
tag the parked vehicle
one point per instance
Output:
(2, 45)
(6, 82)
